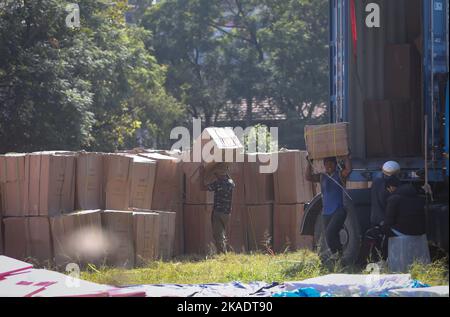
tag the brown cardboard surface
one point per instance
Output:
(258, 186)
(118, 226)
(118, 180)
(290, 184)
(28, 238)
(89, 181)
(142, 182)
(167, 191)
(1, 235)
(194, 194)
(167, 227)
(12, 181)
(198, 237)
(78, 237)
(398, 71)
(49, 183)
(286, 228)
(237, 174)
(237, 229)
(146, 236)
(259, 227)
(328, 140)
(379, 128)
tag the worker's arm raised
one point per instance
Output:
(310, 177)
(347, 167)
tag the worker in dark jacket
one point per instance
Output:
(405, 211)
(218, 181)
(332, 184)
(379, 193)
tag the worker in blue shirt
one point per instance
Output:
(332, 185)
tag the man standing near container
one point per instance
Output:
(217, 180)
(332, 184)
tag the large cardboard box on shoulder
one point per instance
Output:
(49, 183)
(89, 193)
(258, 178)
(260, 227)
(119, 229)
(28, 238)
(216, 144)
(78, 237)
(118, 170)
(146, 236)
(12, 184)
(198, 237)
(290, 184)
(287, 220)
(328, 140)
(143, 174)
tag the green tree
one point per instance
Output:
(95, 87)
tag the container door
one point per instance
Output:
(338, 60)
(435, 47)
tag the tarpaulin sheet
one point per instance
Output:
(435, 291)
(354, 284)
(233, 289)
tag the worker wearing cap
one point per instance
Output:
(379, 193)
(217, 180)
(332, 184)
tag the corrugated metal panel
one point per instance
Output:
(366, 75)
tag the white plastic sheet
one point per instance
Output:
(354, 284)
(435, 291)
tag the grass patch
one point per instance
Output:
(244, 268)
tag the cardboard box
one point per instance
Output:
(118, 181)
(118, 226)
(218, 144)
(167, 227)
(28, 238)
(328, 140)
(379, 128)
(49, 183)
(287, 220)
(290, 184)
(400, 71)
(198, 237)
(1, 235)
(237, 174)
(167, 191)
(142, 182)
(237, 229)
(194, 193)
(259, 188)
(12, 182)
(78, 238)
(146, 236)
(89, 181)
(260, 227)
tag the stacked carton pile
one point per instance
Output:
(62, 207)
(292, 191)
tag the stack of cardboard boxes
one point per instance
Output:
(292, 191)
(62, 207)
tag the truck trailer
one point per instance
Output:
(389, 80)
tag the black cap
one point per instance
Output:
(392, 181)
(330, 159)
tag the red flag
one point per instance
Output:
(354, 30)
